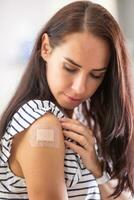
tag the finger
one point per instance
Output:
(65, 119)
(81, 140)
(75, 148)
(81, 130)
(73, 121)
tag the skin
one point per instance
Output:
(37, 164)
(42, 183)
(92, 55)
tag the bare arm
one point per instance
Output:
(42, 166)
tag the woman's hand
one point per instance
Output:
(85, 146)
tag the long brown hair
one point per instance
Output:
(111, 105)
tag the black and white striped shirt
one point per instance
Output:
(80, 182)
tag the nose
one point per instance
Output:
(79, 85)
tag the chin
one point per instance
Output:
(66, 103)
(68, 106)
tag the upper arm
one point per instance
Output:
(42, 166)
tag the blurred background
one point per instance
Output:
(20, 21)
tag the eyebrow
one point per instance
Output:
(76, 64)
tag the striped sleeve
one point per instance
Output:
(22, 119)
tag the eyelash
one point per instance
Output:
(73, 71)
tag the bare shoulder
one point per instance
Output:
(40, 153)
(44, 132)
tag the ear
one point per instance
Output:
(46, 49)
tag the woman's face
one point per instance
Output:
(76, 68)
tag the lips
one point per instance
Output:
(73, 98)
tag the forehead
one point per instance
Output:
(86, 49)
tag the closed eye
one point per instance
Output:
(97, 77)
(70, 70)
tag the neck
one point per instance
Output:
(69, 113)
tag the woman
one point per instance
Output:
(68, 129)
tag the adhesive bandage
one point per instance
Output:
(45, 137)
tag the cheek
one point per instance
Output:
(56, 78)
